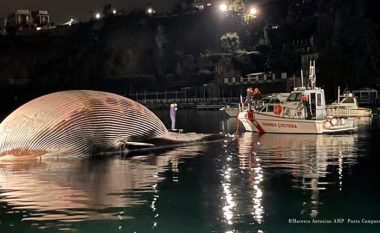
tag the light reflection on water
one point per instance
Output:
(305, 157)
(71, 190)
(233, 188)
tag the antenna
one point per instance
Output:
(338, 100)
(312, 76)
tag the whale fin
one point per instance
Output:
(138, 144)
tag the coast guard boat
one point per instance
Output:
(304, 112)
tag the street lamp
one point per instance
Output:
(253, 11)
(223, 7)
(114, 11)
(150, 10)
(97, 15)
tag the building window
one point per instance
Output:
(225, 80)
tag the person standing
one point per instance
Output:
(173, 112)
(249, 95)
(306, 104)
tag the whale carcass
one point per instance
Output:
(79, 122)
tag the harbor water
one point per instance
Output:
(246, 183)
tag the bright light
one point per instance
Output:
(150, 10)
(253, 11)
(223, 7)
(38, 28)
(97, 15)
(114, 11)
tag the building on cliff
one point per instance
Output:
(231, 82)
(40, 19)
(3, 26)
(26, 20)
(19, 20)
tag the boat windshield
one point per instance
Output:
(294, 97)
(348, 100)
(268, 100)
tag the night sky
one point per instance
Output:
(62, 10)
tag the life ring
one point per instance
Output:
(299, 112)
(327, 124)
(277, 109)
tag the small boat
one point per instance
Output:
(347, 106)
(304, 112)
(230, 111)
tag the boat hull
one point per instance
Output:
(349, 112)
(268, 123)
(231, 111)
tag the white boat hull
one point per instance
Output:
(269, 123)
(348, 112)
(231, 111)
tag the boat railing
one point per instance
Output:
(339, 111)
(255, 105)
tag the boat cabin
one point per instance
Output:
(269, 101)
(346, 100)
(311, 100)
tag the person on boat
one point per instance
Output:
(256, 96)
(305, 102)
(248, 98)
(173, 113)
(256, 93)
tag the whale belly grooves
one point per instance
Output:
(76, 122)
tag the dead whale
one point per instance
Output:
(82, 122)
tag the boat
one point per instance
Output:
(265, 104)
(230, 111)
(304, 112)
(347, 105)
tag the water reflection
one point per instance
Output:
(229, 125)
(315, 162)
(67, 190)
(250, 185)
(248, 160)
(241, 176)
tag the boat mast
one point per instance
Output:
(312, 76)
(338, 100)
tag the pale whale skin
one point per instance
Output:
(77, 122)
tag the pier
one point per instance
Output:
(194, 100)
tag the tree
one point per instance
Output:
(230, 42)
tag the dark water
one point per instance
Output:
(248, 183)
